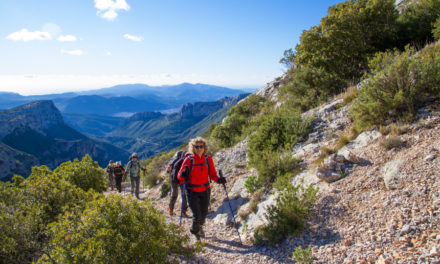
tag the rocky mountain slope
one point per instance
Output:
(35, 134)
(149, 133)
(376, 205)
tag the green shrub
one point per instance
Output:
(400, 82)
(251, 184)
(278, 130)
(165, 188)
(335, 53)
(115, 230)
(309, 87)
(272, 164)
(417, 22)
(288, 216)
(154, 165)
(436, 29)
(22, 237)
(253, 203)
(28, 208)
(86, 174)
(303, 256)
(238, 118)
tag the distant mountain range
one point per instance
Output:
(123, 100)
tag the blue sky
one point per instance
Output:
(50, 46)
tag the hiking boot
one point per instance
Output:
(196, 235)
(184, 214)
(201, 232)
(170, 211)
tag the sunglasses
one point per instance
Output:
(199, 146)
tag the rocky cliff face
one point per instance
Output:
(35, 134)
(38, 116)
(206, 108)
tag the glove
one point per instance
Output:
(222, 180)
(185, 174)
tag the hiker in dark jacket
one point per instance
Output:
(111, 174)
(173, 168)
(195, 172)
(119, 174)
(134, 171)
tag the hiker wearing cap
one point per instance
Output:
(119, 174)
(196, 171)
(111, 174)
(134, 171)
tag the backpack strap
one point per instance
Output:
(209, 171)
(191, 158)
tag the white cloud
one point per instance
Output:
(72, 52)
(25, 35)
(66, 38)
(108, 53)
(107, 9)
(133, 38)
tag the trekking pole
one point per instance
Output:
(230, 207)
(183, 193)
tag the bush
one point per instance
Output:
(115, 230)
(86, 174)
(303, 255)
(165, 188)
(400, 82)
(392, 142)
(21, 236)
(28, 207)
(288, 216)
(277, 131)
(309, 87)
(154, 165)
(238, 118)
(272, 164)
(251, 184)
(252, 208)
(335, 53)
(436, 29)
(417, 22)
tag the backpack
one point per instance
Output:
(180, 157)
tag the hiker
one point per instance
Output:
(195, 172)
(173, 168)
(119, 174)
(111, 174)
(133, 170)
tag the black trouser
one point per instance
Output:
(135, 181)
(118, 183)
(175, 186)
(198, 202)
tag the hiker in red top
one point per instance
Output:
(196, 173)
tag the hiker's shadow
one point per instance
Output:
(230, 246)
(225, 208)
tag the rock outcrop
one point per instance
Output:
(35, 134)
(38, 116)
